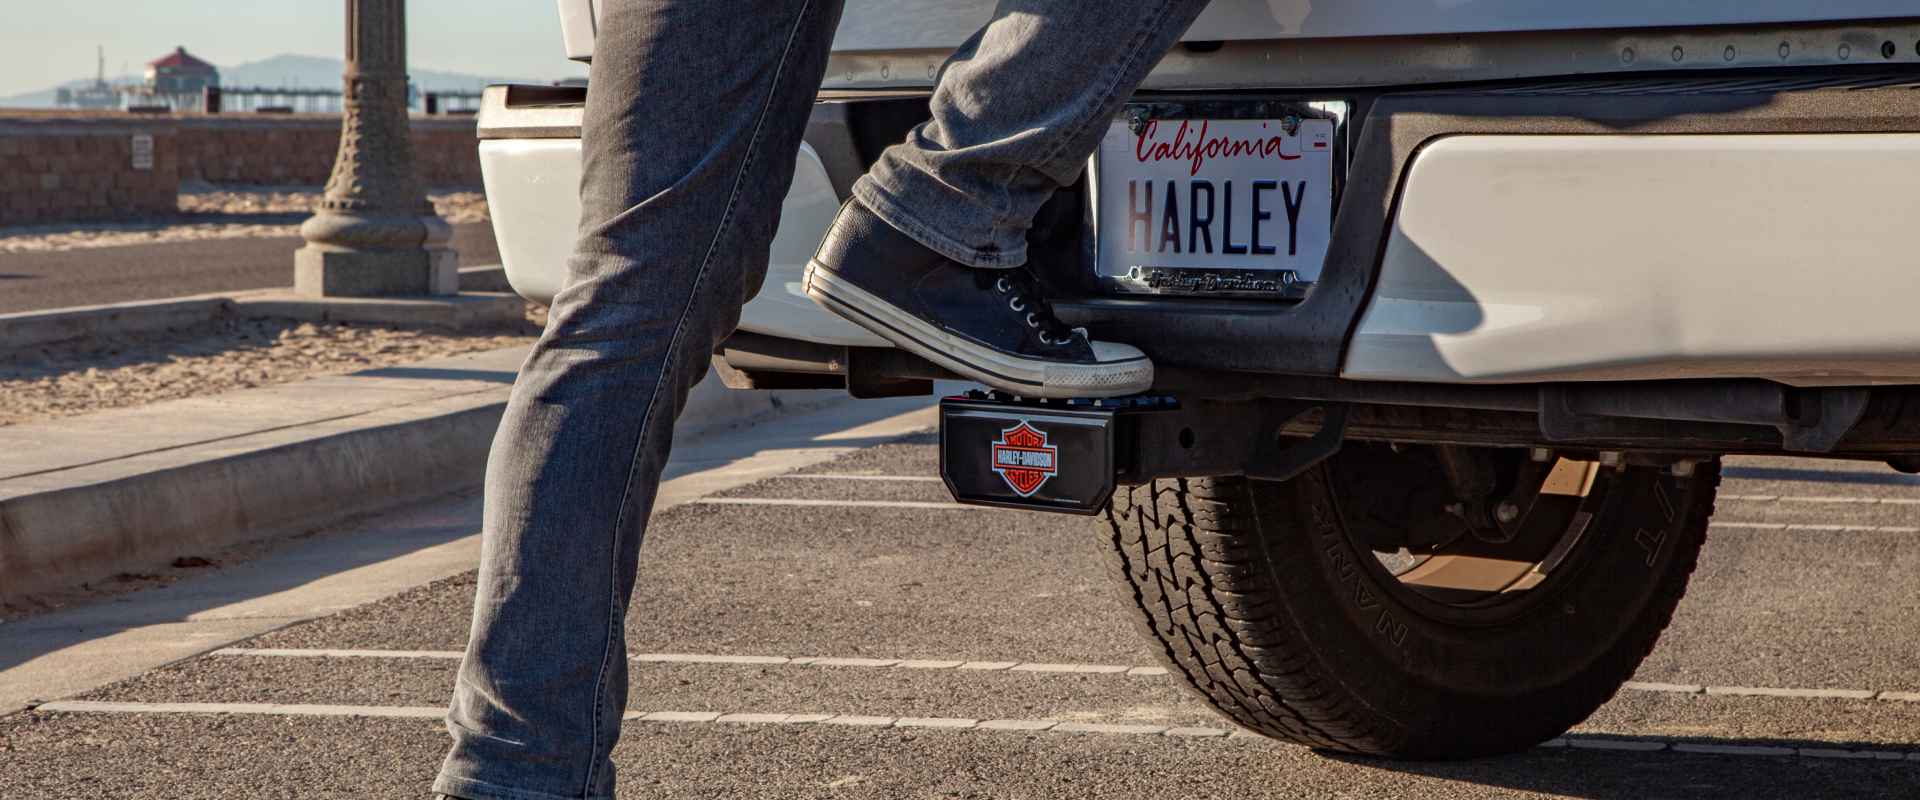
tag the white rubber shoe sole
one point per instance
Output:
(1120, 369)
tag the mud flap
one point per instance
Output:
(1039, 456)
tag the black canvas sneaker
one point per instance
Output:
(990, 325)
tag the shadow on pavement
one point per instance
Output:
(1884, 478)
(244, 599)
(438, 374)
(1594, 773)
(239, 218)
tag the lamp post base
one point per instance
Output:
(328, 271)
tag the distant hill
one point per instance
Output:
(283, 70)
(316, 71)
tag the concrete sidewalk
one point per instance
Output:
(69, 651)
(83, 498)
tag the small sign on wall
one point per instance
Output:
(143, 151)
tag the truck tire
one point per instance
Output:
(1257, 595)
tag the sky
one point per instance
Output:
(48, 42)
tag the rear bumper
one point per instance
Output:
(1655, 230)
(1613, 257)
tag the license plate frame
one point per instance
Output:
(1117, 272)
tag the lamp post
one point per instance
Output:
(374, 232)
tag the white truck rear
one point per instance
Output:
(1428, 460)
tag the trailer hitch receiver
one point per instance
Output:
(1067, 456)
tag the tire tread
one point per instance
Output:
(1189, 555)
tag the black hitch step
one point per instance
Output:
(1067, 456)
(1042, 455)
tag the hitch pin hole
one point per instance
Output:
(1186, 438)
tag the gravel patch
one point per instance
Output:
(82, 377)
(218, 212)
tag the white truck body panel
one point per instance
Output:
(578, 26)
(1584, 258)
(533, 187)
(880, 25)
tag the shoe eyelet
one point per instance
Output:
(1000, 285)
(1033, 321)
(1015, 304)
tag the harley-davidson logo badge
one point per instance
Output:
(1024, 459)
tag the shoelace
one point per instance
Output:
(1023, 296)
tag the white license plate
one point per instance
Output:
(1214, 206)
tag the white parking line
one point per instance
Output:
(1820, 499)
(795, 502)
(1036, 667)
(813, 503)
(245, 709)
(1800, 527)
(276, 652)
(1582, 741)
(740, 660)
(841, 476)
(1671, 688)
(1763, 691)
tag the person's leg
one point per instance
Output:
(1018, 110)
(695, 112)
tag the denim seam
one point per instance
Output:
(889, 210)
(666, 372)
(1112, 79)
(471, 789)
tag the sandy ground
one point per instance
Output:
(217, 212)
(82, 377)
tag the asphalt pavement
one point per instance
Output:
(843, 631)
(95, 275)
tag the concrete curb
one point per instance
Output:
(491, 278)
(35, 328)
(99, 507)
(78, 534)
(463, 311)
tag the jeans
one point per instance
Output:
(695, 112)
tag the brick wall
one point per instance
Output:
(300, 150)
(69, 169)
(72, 166)
(447, 152)
(288, 151)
